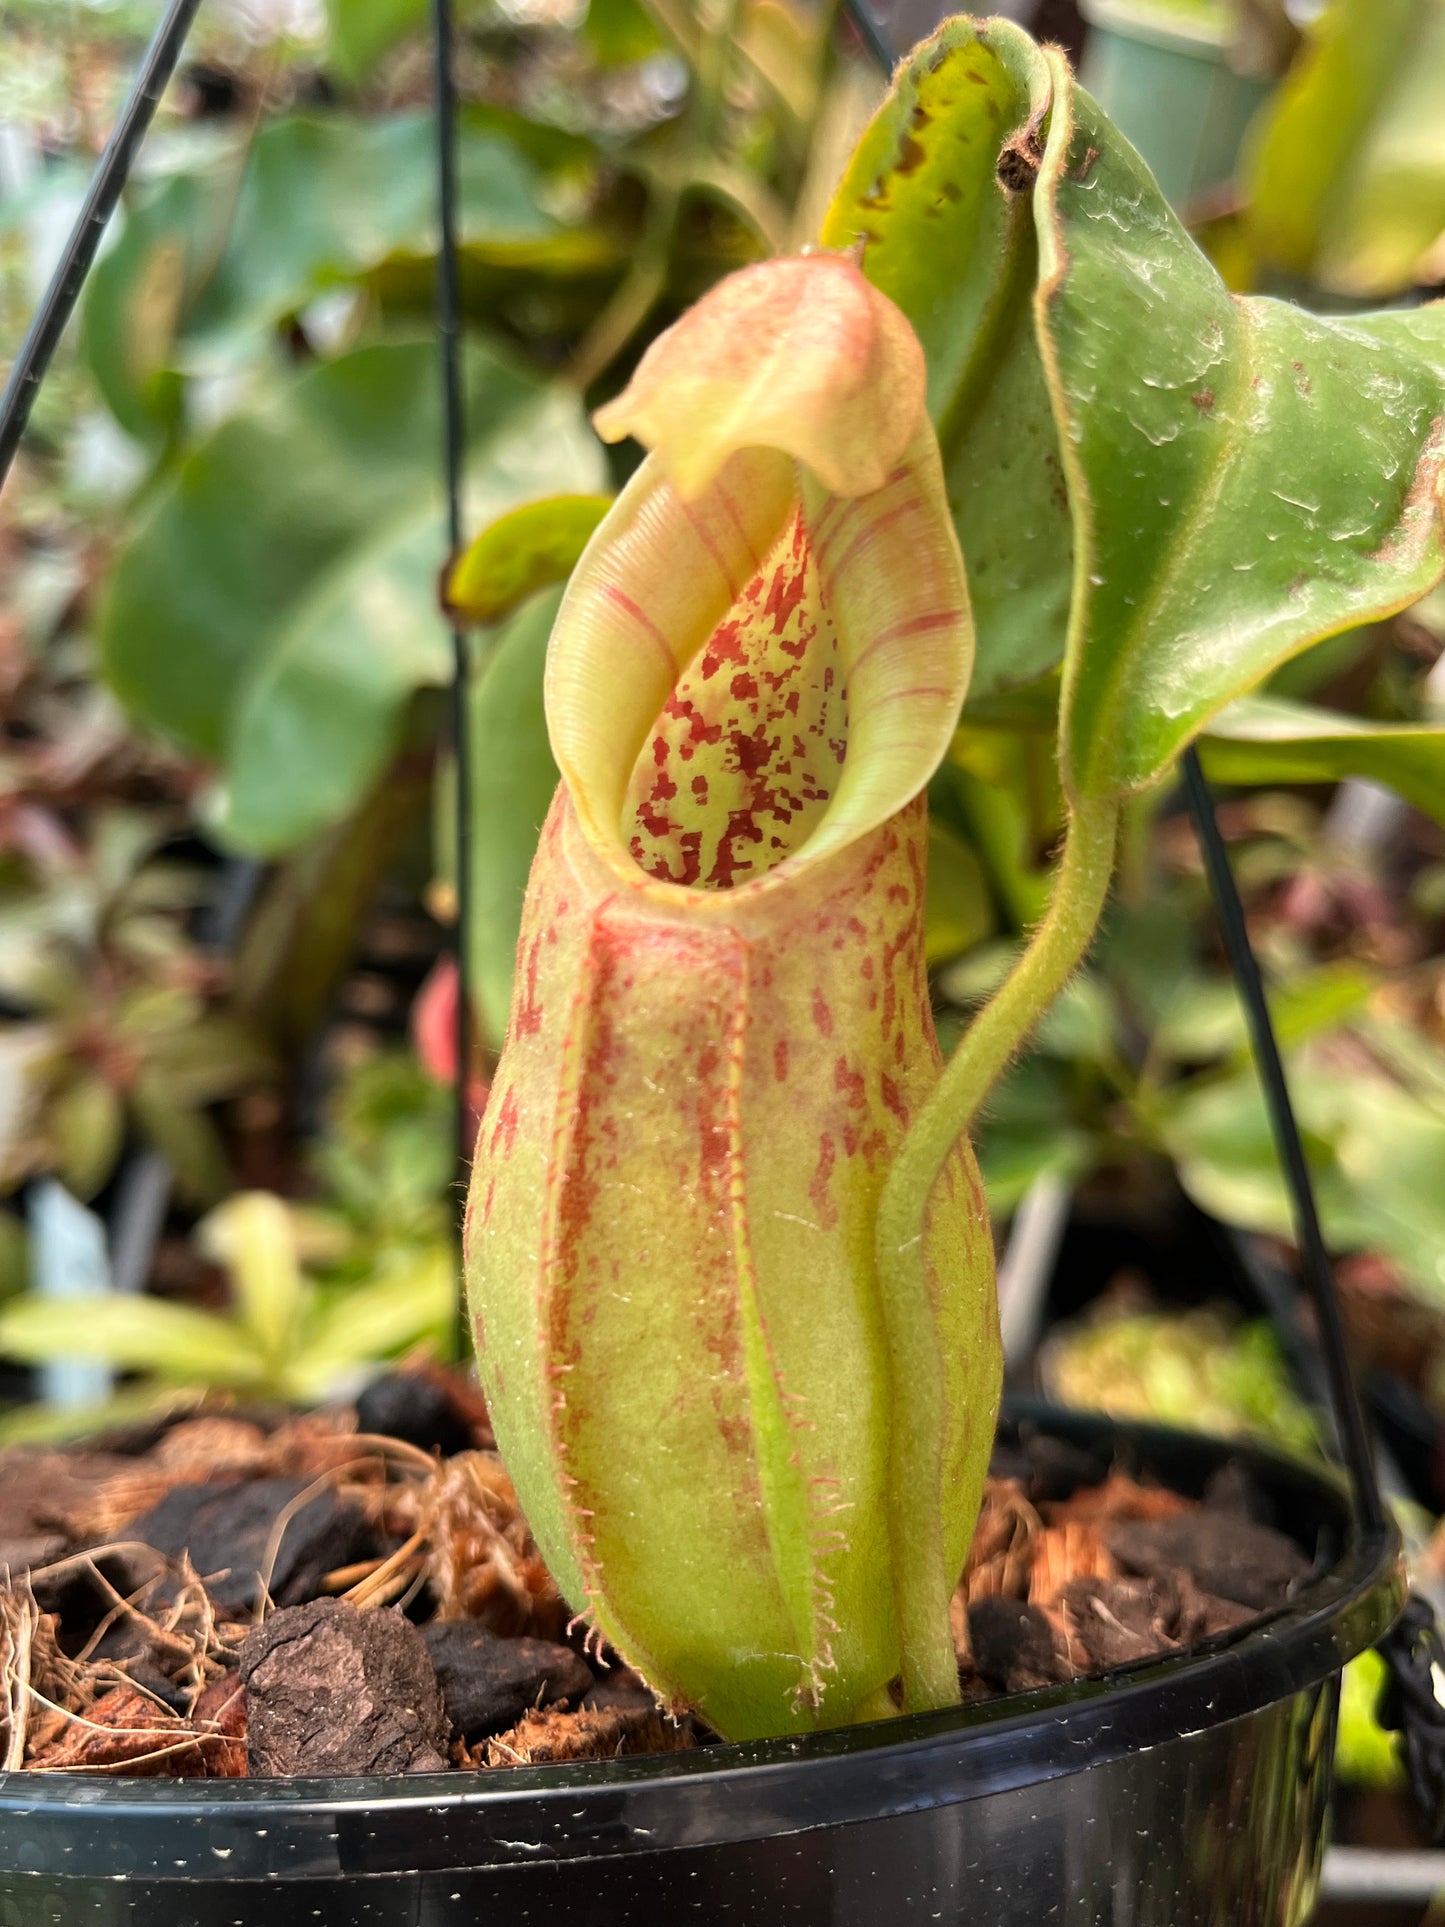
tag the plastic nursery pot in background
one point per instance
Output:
(1161, 73)
(1188, 1792)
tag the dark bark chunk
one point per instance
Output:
(623, 1689)
(1058, 1468)
(488, 1683)
(413, 1407)
(226, 1529)
(333, 1690)
(1224, 1554)
(1012, 1645)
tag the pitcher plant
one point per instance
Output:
(731, 1271)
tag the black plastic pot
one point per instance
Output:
(1189, 1791)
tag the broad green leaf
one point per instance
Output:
(134, 1333)
(1204, 1019)
(1223, 1148)
(212, 259)
(513, 780)
(1245, 478)
(1375, 1150)
(300, 937)
(1028, 1134)
(529, 549)
(1391, 1151)
(1346, 179)
(277, 606)
(1004, 784)
(324, 199)
(251, 1235)
(1081, 1025)
(960, 258)
(414, 1301)
(137, 294)
(1263, 740)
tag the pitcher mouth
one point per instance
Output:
(747, 683)
(782, 566)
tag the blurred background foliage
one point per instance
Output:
(226, 872)
(226, 864)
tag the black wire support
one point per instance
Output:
(880, 52)
(107, 184)
(1284, 1127)
(449, 334)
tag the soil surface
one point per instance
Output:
(231, 1593)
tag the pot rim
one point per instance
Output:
(230, 1829)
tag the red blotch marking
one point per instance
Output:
(788, 587)
(780, 1060)
(852, 1084)
(504, 1131)
(818, 1190)
(527, 1010)
(893, 1098)
(762, 791)
(822, 1016)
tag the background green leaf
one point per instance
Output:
(1376, 1152)
(959, 908)
(1261, 739)
(513, 780)
(137, 294)
(133, 1333)
(251, 1235)
(211, 259)
(1345, 182)
(415, 1299)
(361, 31)
(515, 556)
(284, 643)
